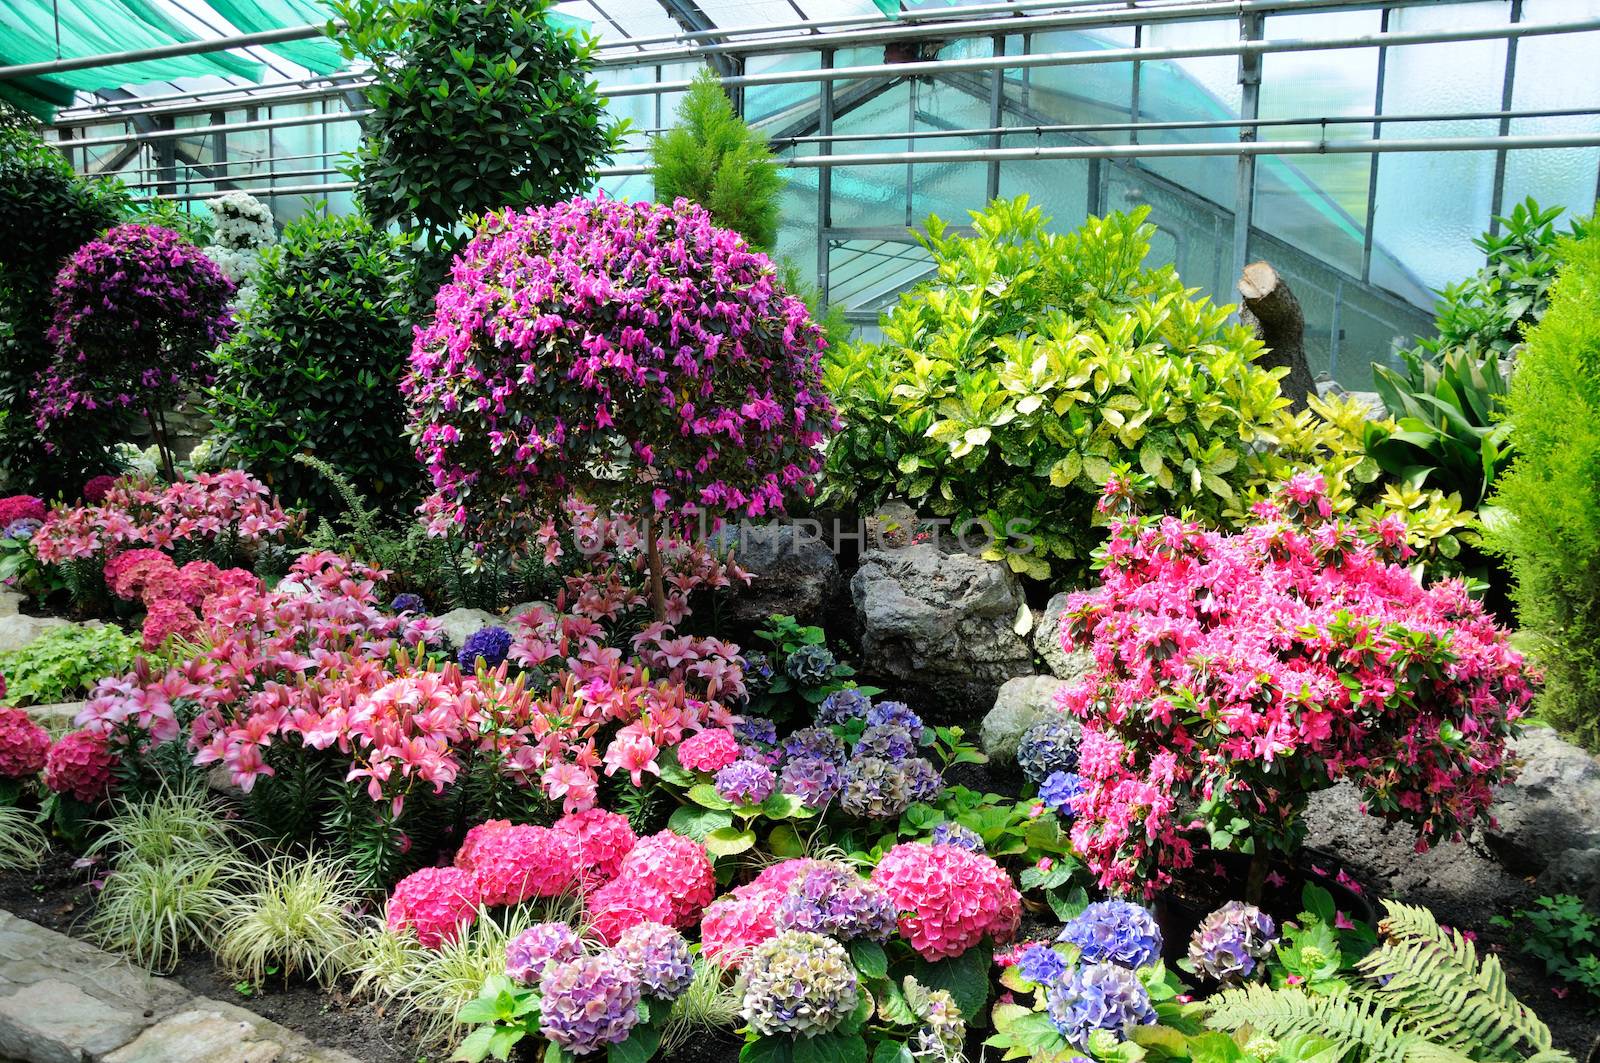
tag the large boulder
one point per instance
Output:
(1047, 642)
(1548, 820)
(795, 573)
(1021, 703)
(17, 630)
(459, 624)
(941, 626)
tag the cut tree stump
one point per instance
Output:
(1271, 309)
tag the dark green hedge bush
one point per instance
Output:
(316, 364)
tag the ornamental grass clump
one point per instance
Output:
(137, 314)
(294, 917)
(1235, 675)
(153, 909)
(630, 353)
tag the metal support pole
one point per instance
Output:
(997, 91)
(824, 181)
(1250, 26)
(1508, 90)
(1372, 168)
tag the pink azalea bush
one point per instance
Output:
(137, 313)
(574, 337)
(949, 898)
(1236, 674)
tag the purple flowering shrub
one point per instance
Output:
(137, 313)
(630, 353)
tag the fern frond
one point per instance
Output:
(363, 521)
(1451, 995)
(1358, 1023)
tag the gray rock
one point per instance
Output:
(1552, 808)
(220, 1033)
(10, 603)
(1021, 703)
(795, 573)
(458, 624)
(58, 718)
(17, 631)
(54, 1021)
(1047, 642)
(940, 624)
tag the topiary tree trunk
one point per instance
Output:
(1271, 309)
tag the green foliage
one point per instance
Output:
(1563, 934)
(1424, 994)
(792, 694)
(1449, 433)
(293, 916)
(713, 158)
(1546, 516)
(193, 226)
(46, 213)
(316, 364)
(480, 105)
(1490, 310)
(1008, 388)
(65, 662)
(22, 842)
(708, 1005)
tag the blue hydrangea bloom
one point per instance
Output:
(408, 603)
(1049, 746)
(810, 665)
(815, 742)
(1058, 791)
(1098, 996)
(490, 643)
(832, 899)
(758, 673)
(897, 712)
(1115, 932)
(22, 528)
(1041, 965)
(842, 706)
(957, 835)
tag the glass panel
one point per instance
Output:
(1563, 177)
(1204, 89)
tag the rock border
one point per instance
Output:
(64, 1001)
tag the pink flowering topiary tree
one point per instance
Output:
(630, 353)
(137, 314)
(1235, 675)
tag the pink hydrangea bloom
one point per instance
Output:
(80, 764)
(677, 865)
(21, 507)
(434, 903)
(624, 903)
(522, 861)
(709, 751)
(738, 922)
(602, 840)
(949, 898)
(477, 835)
(168, 618)
(24, 745)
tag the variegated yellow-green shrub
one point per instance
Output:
(1327, 438)
(1007, 387)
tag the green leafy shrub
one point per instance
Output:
(713, 158)
(316, 364)
(65, 662)
(1563, 934)
(46, 213)
(1009, 387)
(480, 105)
(1546, 516)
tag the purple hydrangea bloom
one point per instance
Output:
(490, 643)
(1059, 790)
(758, 673)
(815, 742)
(810, 665)
(896, 712)
(891, 741)
(842, 706)
(957, 835)
(831, 899)
(1231, 942)
(659, 958)
(757, 730)
(1041, 965)
(814, 780)
(923, 780)
(1049, 746)
(1098, 996)
(1115, 932)
(589, 1002)
(530, 952)
(407, 603)
(875, 788)
(22, 528)
(746, 782)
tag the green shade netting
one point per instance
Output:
(28, 35)
(317, 54)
